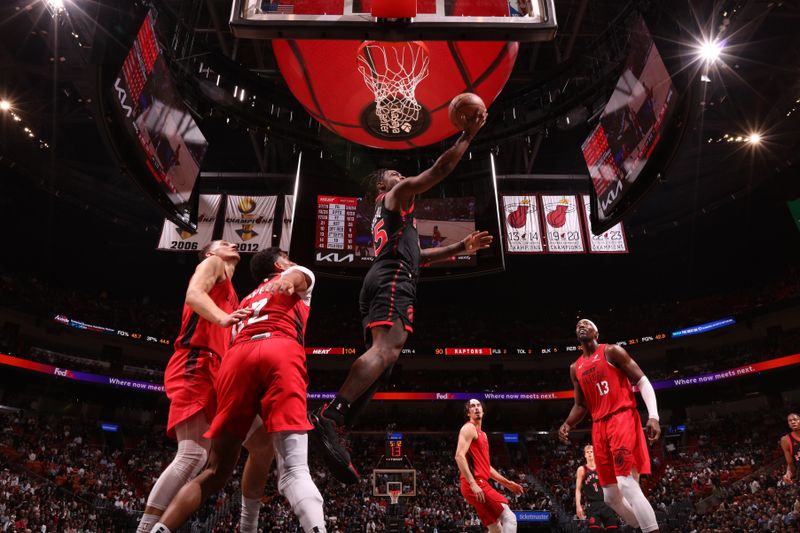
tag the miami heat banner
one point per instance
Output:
(248, 222)
(611, 241)
(563, 228)
(286, 226)
(176, 239)
(523, 225)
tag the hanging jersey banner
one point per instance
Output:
(523, 225)
(288, 218)
(176, 239)
(564, 232)
(248, 222)
(611, 241)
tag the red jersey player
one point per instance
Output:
(602, 377)
(790, 444)
(208, 313)
(263, 373)
(472, 458)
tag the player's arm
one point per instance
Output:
(791, 469)
(403, 192)
(206, 275)
(293, 280)
(620, 358)
(578, 491)
(578, 410)
(469, 245)
(467, 434)
(516, 488)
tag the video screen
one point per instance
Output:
(631, 124)
(154, 114)
(344, 232)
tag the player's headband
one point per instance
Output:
(590, 322)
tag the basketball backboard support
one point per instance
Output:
(436, 20)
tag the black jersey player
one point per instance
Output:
(588, 489)
(388, 293)
(790, 444)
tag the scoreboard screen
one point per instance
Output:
(344, 229)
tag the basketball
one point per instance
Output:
(464, 107)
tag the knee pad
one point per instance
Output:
(508, 519)
(190, 459)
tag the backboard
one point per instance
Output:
(384, 480)
(456, 20)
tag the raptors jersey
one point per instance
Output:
(795, 443)
(197, 332)
(479, 457)
(605, 387)
(591, 486)
(276, 315)
(394, 234)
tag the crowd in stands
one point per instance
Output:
(61, 475)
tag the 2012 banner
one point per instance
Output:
(248, 222)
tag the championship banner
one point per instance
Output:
(286, 226)
(523, 225)
(176, 239)
(248, 222)
(611, 241)
(564, 232)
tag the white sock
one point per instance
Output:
(147, 522)
(641, 507)
(294, 480)
(248, 521)
(160, 528)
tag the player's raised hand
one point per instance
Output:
(478, 492)
(475, 123)
(280, 285)
(235, 317)
(563, 433)
(653, 430)
(477, 240)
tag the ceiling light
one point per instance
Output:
(56, 6)
(754, 138)
(5, 105)
(709, 51)
(705, 78)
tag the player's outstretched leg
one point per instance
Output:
(188, 462)
(645, 516)
(361, 383)
(294, 480)
(254, 476)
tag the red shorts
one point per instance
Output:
(266, 377)
(619, 446)
(491, 509)
(189, 383)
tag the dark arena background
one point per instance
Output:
(640, 167)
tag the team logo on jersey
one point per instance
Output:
(621, 456)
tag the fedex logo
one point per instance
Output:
(64, 373)
(443, 396)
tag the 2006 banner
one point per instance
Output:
(176, 239)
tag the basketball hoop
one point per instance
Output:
(392, 72)
(394, 496)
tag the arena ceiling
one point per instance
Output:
(52, 76)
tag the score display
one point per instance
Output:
(344, 229)
(393, 450)
(336, 223)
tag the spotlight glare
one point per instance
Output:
(55, 5)
(5, 105)
(710, 51)
(754, 138)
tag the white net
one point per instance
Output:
(392, 72)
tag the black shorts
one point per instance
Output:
(389, 293)
(601, 516)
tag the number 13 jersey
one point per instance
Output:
(605, 387)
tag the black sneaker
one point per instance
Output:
(326, 433)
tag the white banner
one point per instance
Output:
(176, 239)
(523, 225)
(611, 241)
(564, 232)
(248, 222)
(286, 227)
